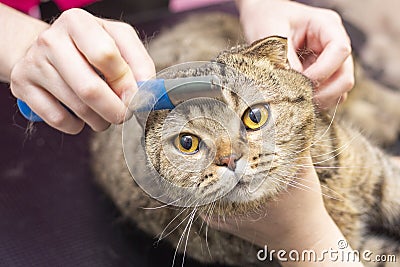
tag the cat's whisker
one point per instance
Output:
(209, 214)
(286, 151)
(282, 184)
(338, 167)
(322, 186)
(296, 177)
(162, 206)
(277, 180)
(206, 221)
(190, 223)
(333, 167)
(332, 119)
(344, 146)
(186, 231)
(288, 183)
(161, 236)
(318, 139)
(320, 146)
(340, 150)
(219, 216)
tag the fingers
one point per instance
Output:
(81, 78)
(294, 60)
(61, 91)
(60, 68)
(334, 90)
(50, 109)
(328, 62)
(327, 37)
(98, 48)
(131, 48)
(116, 51)
(331, 69)
(133, 52)
(29, 83)
(65, 94)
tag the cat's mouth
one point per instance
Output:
(247, 186)
(242, 193)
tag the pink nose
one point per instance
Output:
(229, 161)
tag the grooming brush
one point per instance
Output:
(166, 93)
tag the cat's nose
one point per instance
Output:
(229, 161)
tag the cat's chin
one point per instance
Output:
(244, 192)
(245, 189)
(242, 200)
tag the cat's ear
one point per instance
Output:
(273, 48)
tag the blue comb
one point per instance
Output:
(167, 93)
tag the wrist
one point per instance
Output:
(310, 228)
(14, 46)
(321, 236)
(261, 18)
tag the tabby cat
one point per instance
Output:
(366, 206)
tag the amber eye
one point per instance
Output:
(256, 116)
(187, 143)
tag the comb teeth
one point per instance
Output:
(182, 89)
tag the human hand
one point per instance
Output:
(60, 66)
(303, 199)
(319, 46)
(295, 220)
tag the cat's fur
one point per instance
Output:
(366, 182)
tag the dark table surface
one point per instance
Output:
(51, 212)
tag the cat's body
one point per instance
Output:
(360, 183)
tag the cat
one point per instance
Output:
(363, 109)
(366, 182)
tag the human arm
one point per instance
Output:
(319, 46)
(58, 63)
(14, 46)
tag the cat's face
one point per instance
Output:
(249, 144)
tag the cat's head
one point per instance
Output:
(251, 142)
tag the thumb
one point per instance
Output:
(294, 60)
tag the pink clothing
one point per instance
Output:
(182, 5)
(29, 6)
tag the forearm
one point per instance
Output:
(296, 224)
(18, 31)
(300, 222)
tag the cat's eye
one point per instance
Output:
(187, 143)
(256, 116)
